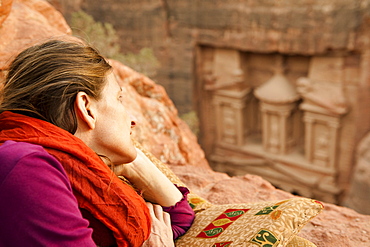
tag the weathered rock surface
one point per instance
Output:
(163, 133)
(360, 187)
(159, 128)
(176, 27)
(15, 32)
(5, 8)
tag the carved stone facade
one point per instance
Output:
(283, 117)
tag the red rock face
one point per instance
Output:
(5, 8)
(16, 34)
(162, 132)
(158, 128)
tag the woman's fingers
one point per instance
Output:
(158, 211)
(162, 216)
(153, 209)
(167, 219)
(161, 232)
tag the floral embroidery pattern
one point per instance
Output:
(193, 202)
(267, 210)
(265, 238)
(274, 213)
(218, 225)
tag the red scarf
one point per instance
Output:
(96, 188)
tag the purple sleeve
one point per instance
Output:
(37, 205)
(182, 215)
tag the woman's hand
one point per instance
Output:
(161, 231)
(155, 186)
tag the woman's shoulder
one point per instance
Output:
(13, 154)
(37, 200)
(13, 149)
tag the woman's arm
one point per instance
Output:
(155, 186)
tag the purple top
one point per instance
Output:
(38, 207)
(182, 215)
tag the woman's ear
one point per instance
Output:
(84, 110)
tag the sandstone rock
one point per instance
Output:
(54, 18)
(162, 132)
(159, 128)
(5, 7)
(359, 192)
(16, 34)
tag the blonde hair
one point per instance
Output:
(43, 81)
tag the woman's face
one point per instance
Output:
(113, 126)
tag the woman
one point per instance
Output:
(62, 125)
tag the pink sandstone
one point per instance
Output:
(165, 135)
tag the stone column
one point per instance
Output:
(321, 137)
(231, 114)
(275, 125)
(308, 132)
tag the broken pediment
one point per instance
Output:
(225, 69)
(322, 98)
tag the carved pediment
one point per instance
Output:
(322, 98)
